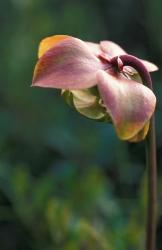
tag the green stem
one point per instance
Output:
(128, 60)
(152, 187)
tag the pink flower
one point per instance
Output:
(76, 66)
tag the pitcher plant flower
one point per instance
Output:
(104, 83)
(94, 85)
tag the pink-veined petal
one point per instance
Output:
(68, 65)
(129, 103)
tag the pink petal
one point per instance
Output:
(95, 48)
(70, 64)
(129, 103)
(141, 135)
(111, 48)
(150, 66)
(49, 42)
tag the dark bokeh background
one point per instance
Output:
(66, 182)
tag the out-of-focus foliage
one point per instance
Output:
(66, 182)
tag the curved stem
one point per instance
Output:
(128, 60)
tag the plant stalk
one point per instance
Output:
(152, 187)
(128, 60)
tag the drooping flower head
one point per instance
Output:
(89, 81)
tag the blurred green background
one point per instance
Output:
(66, 182)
